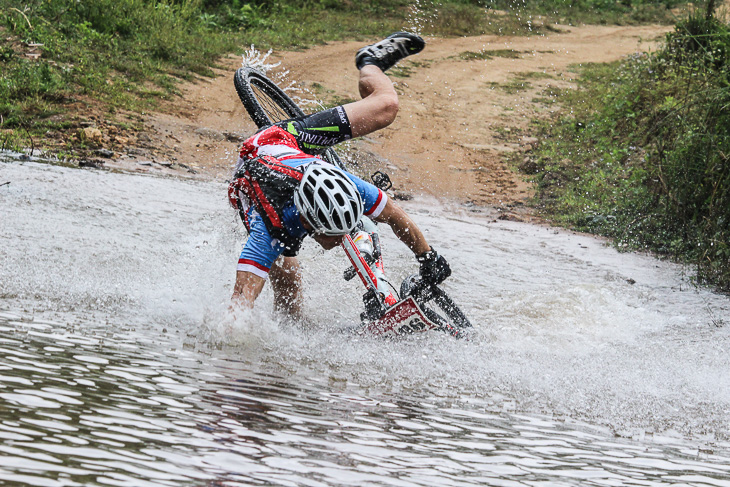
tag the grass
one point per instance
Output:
(406, 68)
(599, 12)
(519, 82)
(63, 60)
(403, 70)
(534, 75)
(513, 86)
(485, 54)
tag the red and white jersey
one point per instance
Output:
(273, 141)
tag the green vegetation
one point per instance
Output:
(486, 54)
(405, 68)
(511, 87)
(525, 75)
(643, 156)
(519, 82)
(63, 58)
(620, 12)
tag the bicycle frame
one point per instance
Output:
(385, 314)
(378, 287)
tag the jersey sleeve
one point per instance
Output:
(373, 199)
(260, 250)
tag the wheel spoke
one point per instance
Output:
(267, 104)
(273, 110)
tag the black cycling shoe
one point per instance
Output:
(386, 53)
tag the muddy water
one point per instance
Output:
(119, 364)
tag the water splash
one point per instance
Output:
(560, 328)
(255, 59)
(305, 98)
(420, 16)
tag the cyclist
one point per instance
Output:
(285, 192)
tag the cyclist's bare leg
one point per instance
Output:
(286, 281)
(371, 80)
(379, 105)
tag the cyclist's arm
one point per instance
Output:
(404, 227)
(256, 259)
(247, 288)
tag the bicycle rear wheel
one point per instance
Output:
(267, 104)
(264, 101)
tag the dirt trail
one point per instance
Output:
(457, 117)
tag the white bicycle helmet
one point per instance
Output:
(328, 200)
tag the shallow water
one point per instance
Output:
(120, 365)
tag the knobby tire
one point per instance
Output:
(437, 305)
(267, 104)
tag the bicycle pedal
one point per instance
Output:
(349, 274)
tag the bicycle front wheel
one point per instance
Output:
(437, 305)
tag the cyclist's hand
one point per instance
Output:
(434, 268)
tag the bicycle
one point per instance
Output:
(416, 306)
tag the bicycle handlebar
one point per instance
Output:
(422, 291)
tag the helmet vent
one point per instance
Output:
(337, 221)
(342, 185)
(329, 200)
(321, 216)
(322, 194)
(308, 192)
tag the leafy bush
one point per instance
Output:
(127, 54)
(644, 158)
(36, 84)
(95, 46)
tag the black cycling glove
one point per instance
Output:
(434, 268)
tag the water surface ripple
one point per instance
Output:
(82, 407)
(119, 364)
